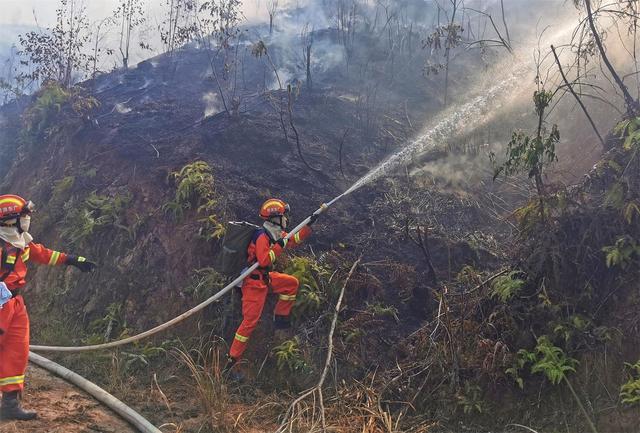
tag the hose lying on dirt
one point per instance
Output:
(185, 315)
(121, 409)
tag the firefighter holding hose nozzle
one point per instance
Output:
(16, 249)
(267, 243)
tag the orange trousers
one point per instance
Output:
(14, 344)
(254, 295)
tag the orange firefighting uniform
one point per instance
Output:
(256, 286)
(14, 321)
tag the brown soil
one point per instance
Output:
(63, 409)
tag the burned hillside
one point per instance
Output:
(483, 252)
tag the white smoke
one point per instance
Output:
(212, 103)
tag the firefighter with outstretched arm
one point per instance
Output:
(16, 249)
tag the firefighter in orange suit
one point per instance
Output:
(16, 249)
(266, 245)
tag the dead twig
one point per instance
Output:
(316, 391)
(575, 95)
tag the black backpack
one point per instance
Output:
(232, 259)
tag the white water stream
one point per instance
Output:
(466, 116)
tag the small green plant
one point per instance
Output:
(630, 391)
(507, 286)
(206, 282)
(289, 356)
(614, 197)
(630, 131)
(352, 334)
(104, 329)
(468, 275)
(576, 324)
(554, 364)
(381, 310)
(523, 357)
(631, 212)
(470, 399)
(623, 253)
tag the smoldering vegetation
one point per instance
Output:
(494, 205)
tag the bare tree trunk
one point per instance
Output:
(633, 107)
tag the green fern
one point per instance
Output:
(623, 253)
(289, 356)
(630, 391)
(507, 286)
(552, 361)
(195, 189)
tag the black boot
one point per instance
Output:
(11, 409)
(231, 370)
(281, 322)
(229, 365)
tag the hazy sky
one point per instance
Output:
(20, 12)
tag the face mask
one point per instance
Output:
(25, 223)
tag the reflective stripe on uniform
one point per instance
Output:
(272, 256)
(241, 338)
(296, 237)
(25, 255)
(287, 297)
(14, 380)
(285, 241)
(11, 260)
(81, 259)
(54, 258)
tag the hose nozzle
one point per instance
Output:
(323, 207)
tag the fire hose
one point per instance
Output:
(124, 411)
(187, 314)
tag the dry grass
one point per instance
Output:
(205, 367)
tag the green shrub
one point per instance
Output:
(629, 130)
(195, 189)
(310, 296)
(95, 213)
(51, 100)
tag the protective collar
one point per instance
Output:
(18, 240)
(274, 230)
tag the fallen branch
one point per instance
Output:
(287, 423)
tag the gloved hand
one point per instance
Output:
(81, 263)
(312, 219)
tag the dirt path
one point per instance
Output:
(62, 408)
